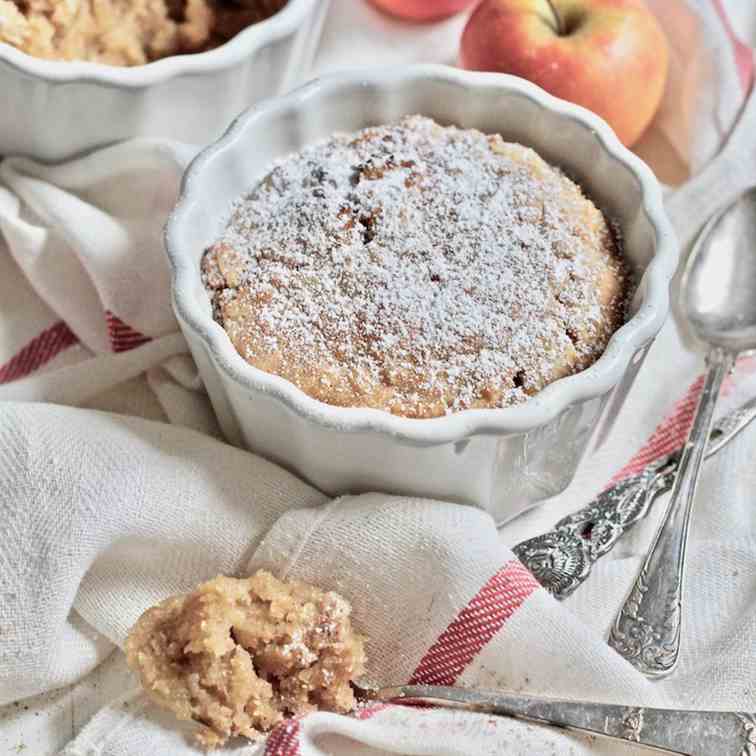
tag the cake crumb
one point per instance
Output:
(239, 655)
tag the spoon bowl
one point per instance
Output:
(719, 284)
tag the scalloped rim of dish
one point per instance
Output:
(226, 55)
(537, 411)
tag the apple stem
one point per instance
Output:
(560, 25)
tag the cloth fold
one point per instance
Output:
(440, 598)
(96, 509)
(86, 245)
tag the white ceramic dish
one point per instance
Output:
(504, 460)
(52, 110)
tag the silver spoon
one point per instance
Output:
(724, 733)
(718, 298)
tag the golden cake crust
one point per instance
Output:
(239, 655)
(418, 269)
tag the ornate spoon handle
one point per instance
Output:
(562, 559)
(696, 733)
(647, 629)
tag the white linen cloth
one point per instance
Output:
(118, 512)
(108, 514)
(178, 507)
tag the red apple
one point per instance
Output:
(610, 56)
(422, 10)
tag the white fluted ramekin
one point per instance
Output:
(52, 110)
(503, 460)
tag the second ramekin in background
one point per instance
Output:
(503, 460)
(53, 110)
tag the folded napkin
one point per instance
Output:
(110, 514)
(105, 515)
(102, 515)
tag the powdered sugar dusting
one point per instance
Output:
(418, 269)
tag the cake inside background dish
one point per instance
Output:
(126, 32)
(238, 655)
(418, 269)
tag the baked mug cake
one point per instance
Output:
(126, 32)
(418, 269)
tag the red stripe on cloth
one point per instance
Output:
(39, 351)
(743, 53)
(371, 711)
(284, 739)
(123, 337)
(475, 625)
(483, 617)
(671, 433)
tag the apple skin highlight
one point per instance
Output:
(611, 57)
(422, 10)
